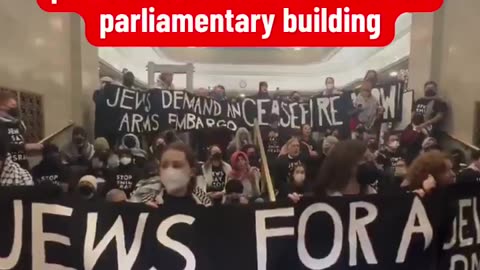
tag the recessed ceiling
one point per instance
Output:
(249, 56)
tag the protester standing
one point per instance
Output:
(14, 130)
(11, 173)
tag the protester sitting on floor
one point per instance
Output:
(434, 165)
(389, 154)
(125, 176)
(156, 148)
(51, 169)
(215, 173)
(252, 154)
(116, 196)
(347, 171)
(11, 173)
(79, 151)
(234, 193)
(249, 176)
(242, 137)
(285, 165)
(132, 143)
(178, 181)
(87, 188)
(104, 153)
(472, 172)
(296, 184)
(412, 138)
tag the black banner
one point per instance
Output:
(130, 111)
(373, 232)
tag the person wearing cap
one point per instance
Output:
(51, 169)
(11, 173)
(103, 154)
(87, 187)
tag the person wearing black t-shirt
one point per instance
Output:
(51, 170)
(432, 107)
(215, 173)
(13, 128)
(389, 157)
(126, 175)
(285, 165)
(309, 152)
(472, 172)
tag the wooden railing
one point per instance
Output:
(466, 144)
(264, 162)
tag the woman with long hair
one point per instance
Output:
(347, 170)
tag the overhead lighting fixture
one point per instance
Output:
(393, 74)
(297, 49)
(242, 95)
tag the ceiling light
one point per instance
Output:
(297, 49)
(242, 95)
(393, 74)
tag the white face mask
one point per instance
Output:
(125, 160)
(394, 145)
(174, 179)
(299, 177)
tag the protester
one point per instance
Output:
(126, 175)
(297, 186)
(430, 143)
(242, 137)
(308, 151)
(51, 169)
(263, 90)
(249, 176)
(389, 154)
(328, 144)
(253, 156)
(433, 109)
(177, 178)
(433, 163)
(116, 196)
(79, 151)
(412, 138)
(273, 139)
(87, 188)
(165, 81)
(13, 129)
(472, 172)
(215, 174)
(131, 142)
(234, 193)
(371, 76)
(129, 80)
(11, 173)
(367, 109)
(156, 148)
(330, 88)
(295, 97)
(218, 93)
(104, 154)
(347, 171)
(285, 165)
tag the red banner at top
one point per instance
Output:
(224, 23)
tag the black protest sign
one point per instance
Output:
(373, 232)
(129, 111)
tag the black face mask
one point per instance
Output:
(14, 112)
(86, 191)
(217, 156)
(367, 174)
(430, 92)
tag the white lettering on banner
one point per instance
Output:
(323, 104)
(125, 258)
(40, 237)
(166, 99)
(11, 260)
(127, 95)
(262, 233)
(250, 123)
(261, 111)
(234, 110)
(334, 111)
(417, 213)
(462, 222)
(357, 231)
(294, 117)
(388, 102)
(164, 239)
(332, 257)
(476, 220)
(136, 123)
(115, 102)
(177, 99)
(275, 107)
(453, 240)
(284, 107)
(303, 113)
